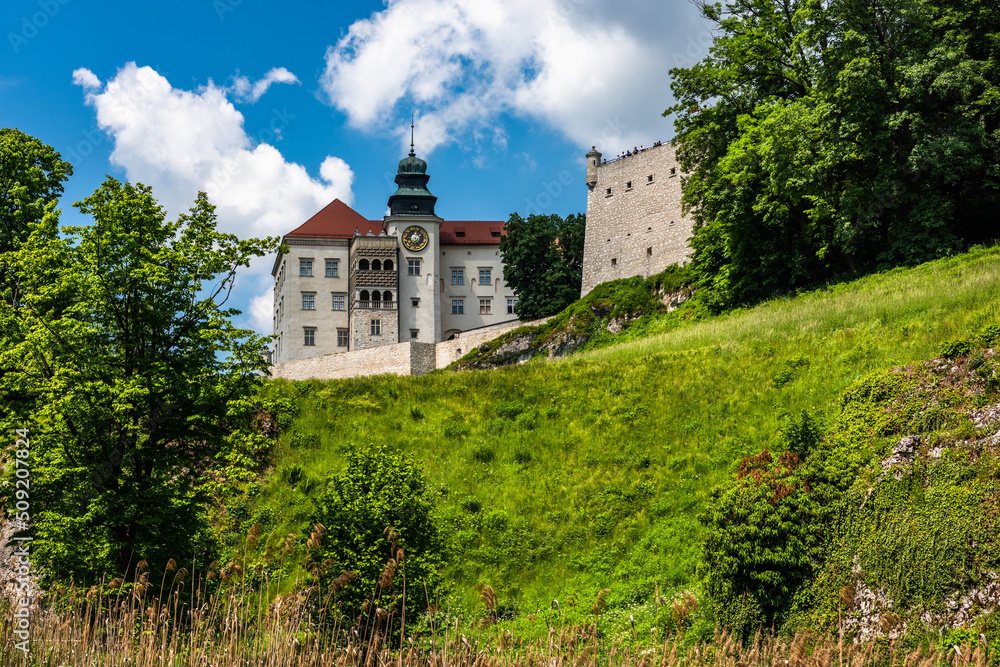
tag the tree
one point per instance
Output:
(133, 373)
(379, 525)
(822, 138)
(31, 179)
(543, 262)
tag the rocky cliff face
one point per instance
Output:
(572, 329)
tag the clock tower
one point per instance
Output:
(413, 222)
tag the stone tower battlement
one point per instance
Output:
(634, 222)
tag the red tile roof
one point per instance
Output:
(477, 232)
(337, 220)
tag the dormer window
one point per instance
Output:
(460, 232)
(495, 232)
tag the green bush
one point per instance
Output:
(483, 453)
(378, 518)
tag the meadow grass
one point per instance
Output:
(558, 479)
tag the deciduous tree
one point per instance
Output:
(31, 179)
(133, 372)
(843, 136)
(543, 262)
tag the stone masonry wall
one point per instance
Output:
(386, 359)
(637, 230)
(361, 333)
(407, 358)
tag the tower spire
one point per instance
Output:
(412, 154)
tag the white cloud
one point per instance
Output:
(262, 311)
(597, 72)
(179, 142)
(86, 79)
(244, 91)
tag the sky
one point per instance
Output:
(276, 109)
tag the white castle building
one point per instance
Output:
(347, 283)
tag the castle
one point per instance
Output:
(408, 293)
(348, 283)
(635, 225)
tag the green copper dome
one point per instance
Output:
(412, 165)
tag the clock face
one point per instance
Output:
(414, 238)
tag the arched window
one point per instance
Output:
(363, 265)
(364, 295)
(387, 265)
(376, 295)
(387, 296)
(376, 265)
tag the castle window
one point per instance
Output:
(614, 261)
(376, 295)
(457, 306)
(308, 301)
(414, 333)
(457, 277)
(364, 296)
(415, 303)
(363, 265)
(495, 232)
(460, 232)
(673, 171)
(649, 179)
(607, 193)
(387, 265)
(486, 306)
(376, 265)
(310, 337)
(628, 185)
(342, 338)
(305, 267)
(376, 327)
(331, 268)
(339, 302)
(387, 296)
(484, 277)
(649, 252)
(413, 267)
(511, 305)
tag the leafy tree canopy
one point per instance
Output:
(543, 262)
(129, 373)
(31, 178)
(827, 137)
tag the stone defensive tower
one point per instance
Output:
(634, 222)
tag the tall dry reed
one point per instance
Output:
(241, 628)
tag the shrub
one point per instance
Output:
(379, 523)
(483, 454)
(956, 348)
(522, 456)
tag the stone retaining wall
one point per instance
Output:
(407, 358)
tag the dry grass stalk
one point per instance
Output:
(241, 627)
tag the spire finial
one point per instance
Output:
(412, 153)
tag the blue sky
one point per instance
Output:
(274, 110)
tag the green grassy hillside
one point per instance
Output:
(557, 479)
